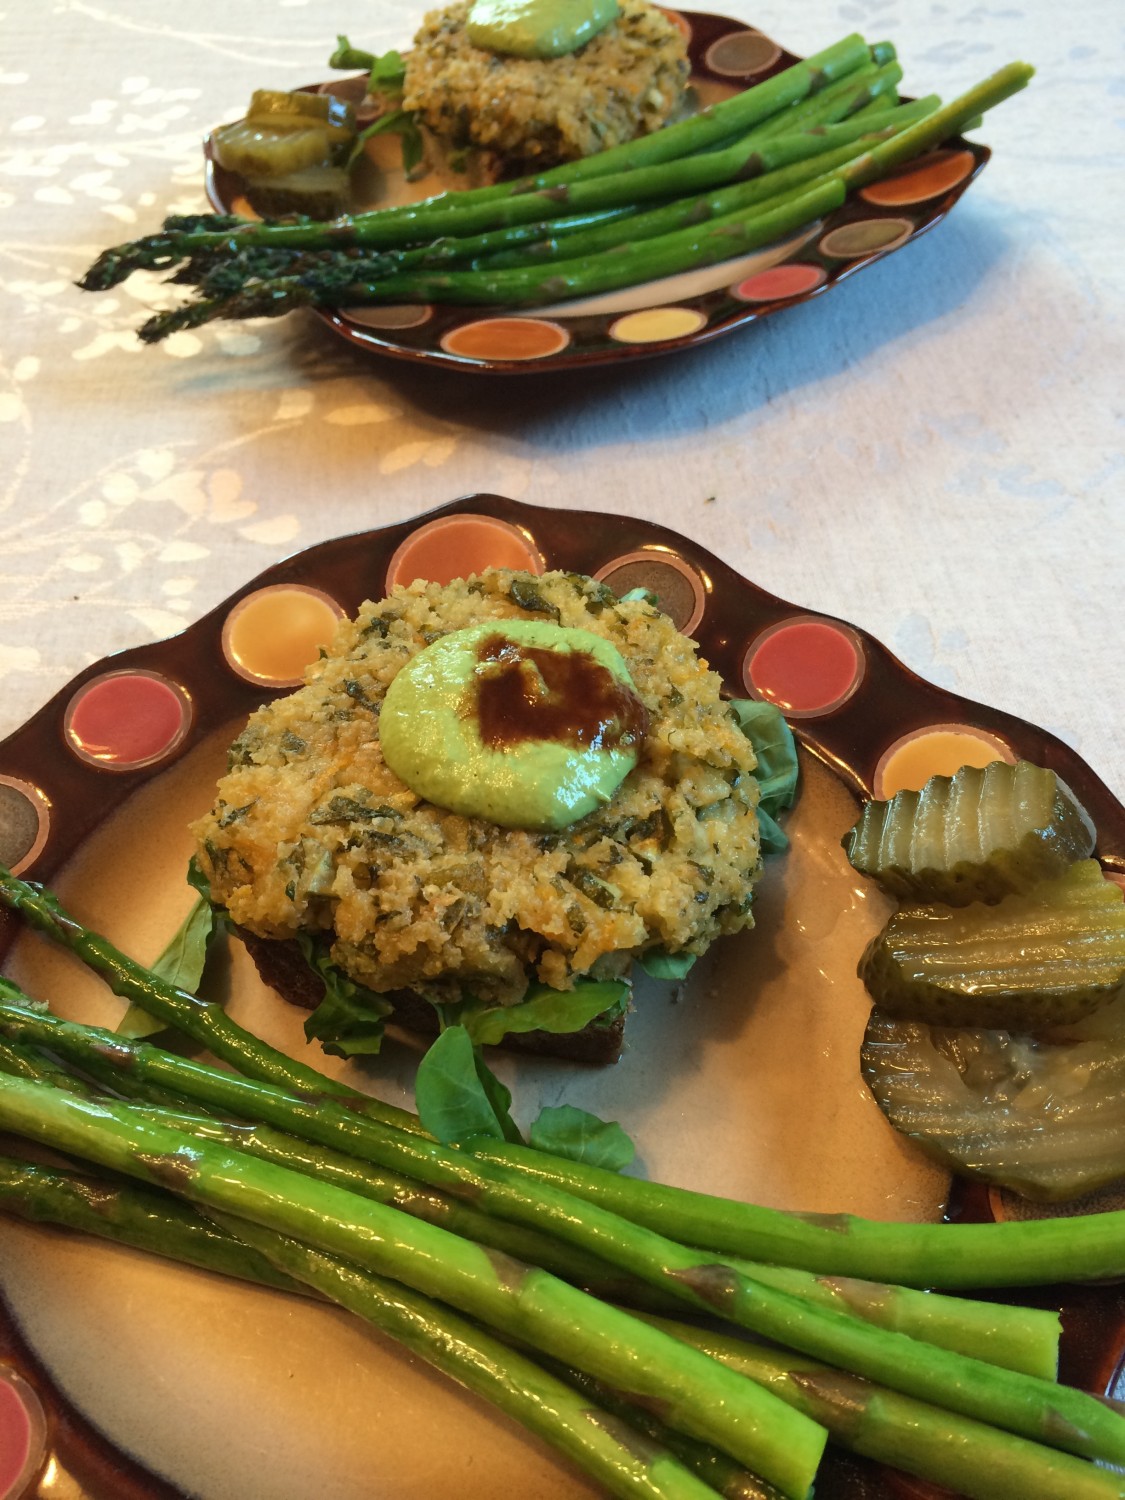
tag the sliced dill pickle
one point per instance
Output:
(321, 191)
(975, 836)
(264, 102)
(263, 151)
(1047, 957)
(1043, 1116)
(298, 110)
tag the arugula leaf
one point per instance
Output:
(659, 964)
(544, 1009)
(350, 1020)
(456, 1095)
(566, 1131)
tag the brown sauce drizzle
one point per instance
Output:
(532, 693)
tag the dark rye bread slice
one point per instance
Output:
(282, 966)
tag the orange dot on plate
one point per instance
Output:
(506, 338)
(934, 174)
(272, 635)
(457, 546)
(937, 750)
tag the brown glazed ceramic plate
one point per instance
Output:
(123, 1377)
(679, 311)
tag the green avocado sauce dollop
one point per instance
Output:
(524, 723)
(537, 28)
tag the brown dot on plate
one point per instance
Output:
(457, 546)
(390, 318)
(679, 589)
(24, 821)
(741, 53)
(865, 237)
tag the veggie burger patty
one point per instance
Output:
(312, 831)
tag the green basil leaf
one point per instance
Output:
(566, 1131)
(773, 839)
(350, 1020)
(388, 74)
(181, 964)
(545, 1009)
(500, 1097)
(661, 965)
(453, 1102)
(764, 726)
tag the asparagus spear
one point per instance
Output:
(1019, 1338)
(128, 1214)
(627, 265)
(712, 125)
(1023, 1339)
(157, 1223)
(200, 1019)
(951, 1256)
(974, 1460)
(1032, 1407)
(333, 273)
(697, 1394)
(556, 1409)
(684, 248)
(1012, 1254)
(977, 1461)
(868, 91)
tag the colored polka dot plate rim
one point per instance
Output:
(273, 634)
(808, 665)
(25, 821)
(936, 750)
(681, 591)
(127, 720)
(23, 1434)
(668, 316)
(458, 546)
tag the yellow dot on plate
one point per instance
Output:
(655, 324)
(272, 635)
(939, 750)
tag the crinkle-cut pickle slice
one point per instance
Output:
(263, 150)
(974, 836)
(1040, 959)
(1044, 1118)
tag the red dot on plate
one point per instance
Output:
(779, 282)
(126, 719)
(21, 1433)
(807, 666)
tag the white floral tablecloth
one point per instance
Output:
(932, 451)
